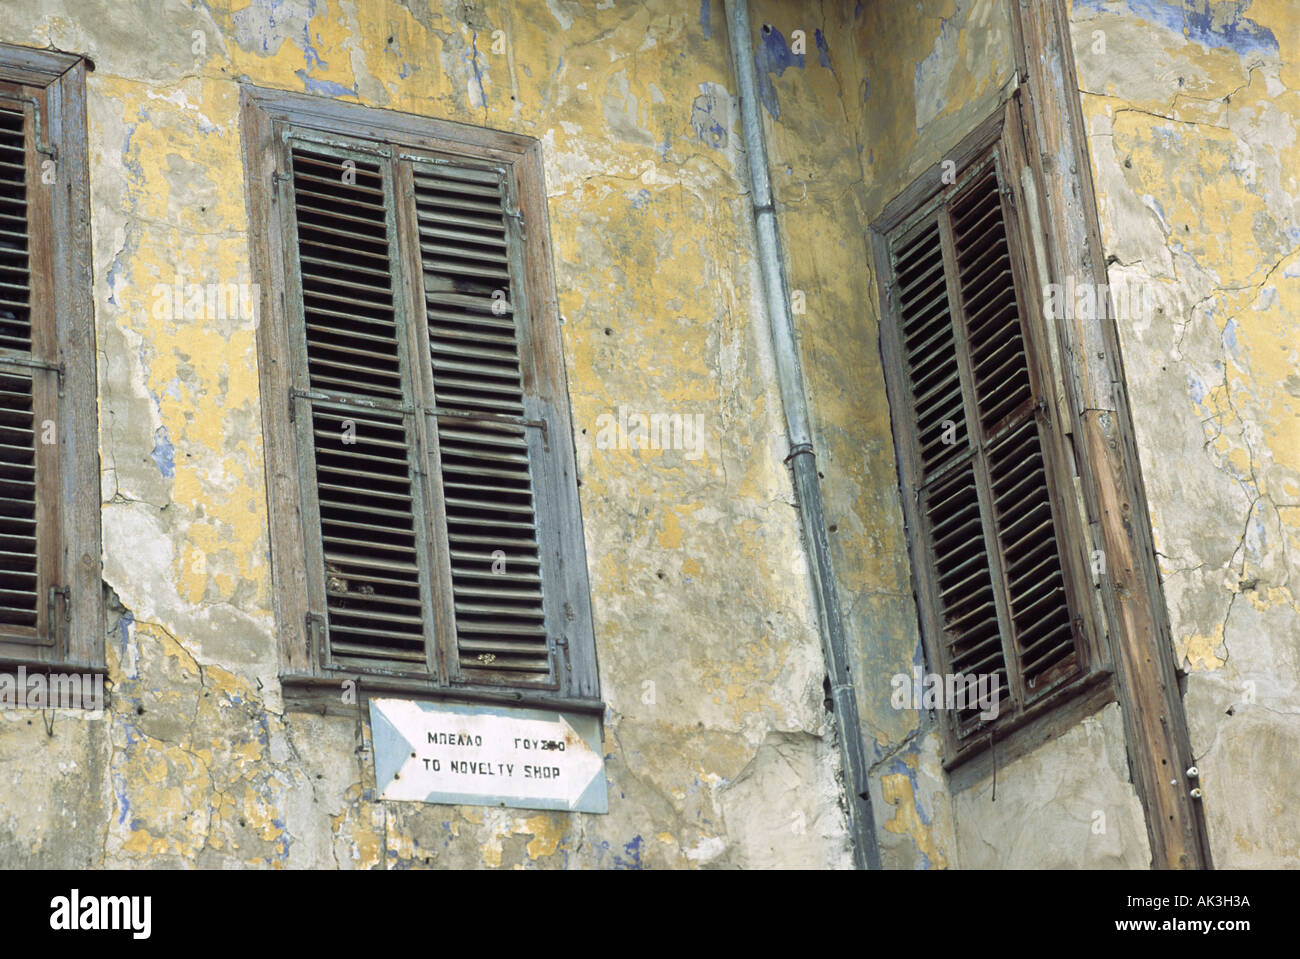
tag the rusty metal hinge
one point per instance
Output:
(34, 364)
(563, 643)
(315, 623)
(57, 627)
(66, 593)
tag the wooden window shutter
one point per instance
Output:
(995, 588)
(1045, 646)
(486, 442)
(33, 601)
(354, 413)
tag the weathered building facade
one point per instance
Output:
(731, 604)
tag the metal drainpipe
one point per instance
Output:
(803, 463)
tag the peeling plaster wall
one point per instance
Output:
(882, 92)
(1192, 112)
(719, 750)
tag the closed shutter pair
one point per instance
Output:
(420, 450)
(983, 486)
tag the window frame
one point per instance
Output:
(52, 86)
(269, 119)
(998, 139)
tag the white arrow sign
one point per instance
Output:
(487, 756)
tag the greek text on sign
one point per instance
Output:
(487, 756)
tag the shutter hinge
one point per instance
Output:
(293, 407)
(281, 177)
(66, 593)
(38, 365)
(58, 634)
(563, 643)
(315, 623)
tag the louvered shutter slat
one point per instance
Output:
(485, 465)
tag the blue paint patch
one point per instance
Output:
(164, 454)
(478, 76)
(629, 858)
(132, 166)
(773, 57)
(704, 20)
(823, 52)
(633, 850)
(640, 199)
(405, 70)
(1196, 388)
(898, 766)
(708, 129)
(933, 62)
(1215, 24)
(282, 844)
(123, 627)
(119, 787)
(325, 87)
(135, 175)
(555, 74)
(857, 10)
(1230, 332)
(309, 52)
(115, 268)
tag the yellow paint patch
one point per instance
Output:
(896, 789)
